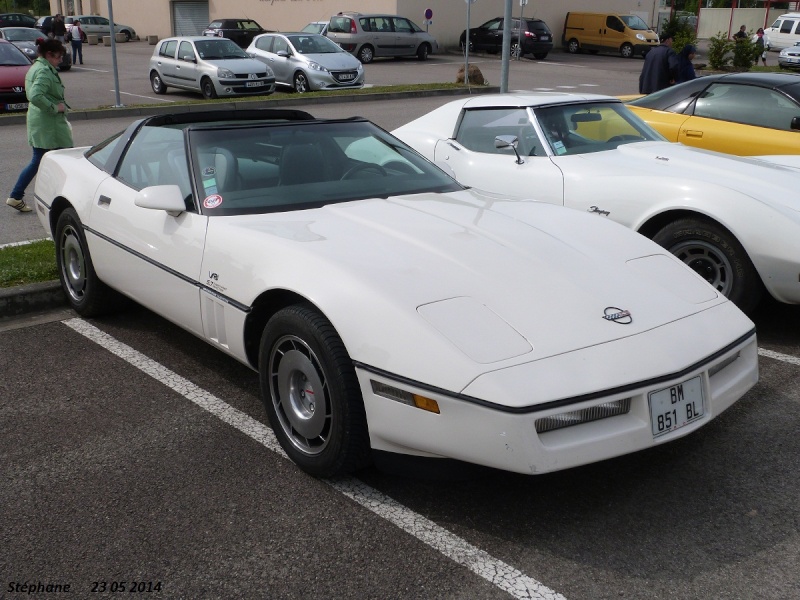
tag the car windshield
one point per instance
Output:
(675, 98)
(11, 56)
(218, 49)
(22, 34)
(634, 22)
(314, 44)
(314, 27)
(591, 127)
(261, 167)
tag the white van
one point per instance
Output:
(784, 32)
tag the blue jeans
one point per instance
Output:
(77, 51)
(28, 173)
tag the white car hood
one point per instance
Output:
(768, 182)
(493, 282)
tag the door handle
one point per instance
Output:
(103, 199)
(692, 133)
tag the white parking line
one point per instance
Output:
(148, 97)
(495, 571)
(778, 356)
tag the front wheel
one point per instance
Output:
(462, 45)
(423, 51)
(86, 294)
(157, 83)
(516, 50)
(540, 55)
(573, 47)
(208, 89)
(366, 54)
(311, 393)
(626, 51)
(717, 256)
(300, 83)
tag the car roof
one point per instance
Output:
(772, 80)
(533, 99)
(196, 38)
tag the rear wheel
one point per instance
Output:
(540, 56)
(208, 89)
(311, 393)
(300, 83)
(626, 50)
(366, 54)
(717, 256)
(573, 47)
(157, 84)
(516, 50)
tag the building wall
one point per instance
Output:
(152, 17)
(714, 20)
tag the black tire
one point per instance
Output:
(300, 83)
(67, 68)
(207, 88)
(626, 50)
(717, 256)
(127, 35)
(157, 83)
(311, 393)
(366, 54)
(423, 51)
(573, 47)
(540, 56)
(86, 294)
(461, 45)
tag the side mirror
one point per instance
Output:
(190, 59)
(282, 53)
(795, 123)
(508, 141)
(161, 197)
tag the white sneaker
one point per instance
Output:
(18, 204)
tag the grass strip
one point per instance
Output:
(28, 263)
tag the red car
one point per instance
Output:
(14, 66)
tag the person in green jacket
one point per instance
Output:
(48, 128)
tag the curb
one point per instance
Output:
(162, 109)
(25, 299)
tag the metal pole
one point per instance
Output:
(466, 46)
(114, 53)
(519, 34)
(506, 47)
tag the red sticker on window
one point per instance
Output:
(212, 201)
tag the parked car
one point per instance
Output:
(320, 27)
(735, 221)
(739, 113)
(385, 307)
(789, 58)
(241, 31)
(376, 35)
(607, 32)
(307, 61)
(17, 20)
(536, 37)
(215, 67)
(99, 26)
(14, 66)
(25, 38)
(44, 24)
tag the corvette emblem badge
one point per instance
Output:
(623, 317)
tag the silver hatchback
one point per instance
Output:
(372, 36)
(215, 67)
(307, 61)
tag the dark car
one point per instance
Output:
(241, 31)
(25, 38)
(528, 36)
(44, 24)
(17, 20)
(14, 66)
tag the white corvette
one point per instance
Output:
(735, 221)
(385, 307)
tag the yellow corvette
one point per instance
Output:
(746, 114)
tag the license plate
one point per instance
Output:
(676, 406)
(346, 76)
(545, 38)
(18, 106)
(253, 84)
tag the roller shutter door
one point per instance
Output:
(189, 18)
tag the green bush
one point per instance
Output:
(719, 51)
(744, 53)
(682, 32)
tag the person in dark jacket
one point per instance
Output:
(59, 28)
(685, 66)
(660, 67)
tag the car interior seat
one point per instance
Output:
(301, 162)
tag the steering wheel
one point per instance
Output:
(363, 167)
(625, 138)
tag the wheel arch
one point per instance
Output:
(58, 206)
(263, 307)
